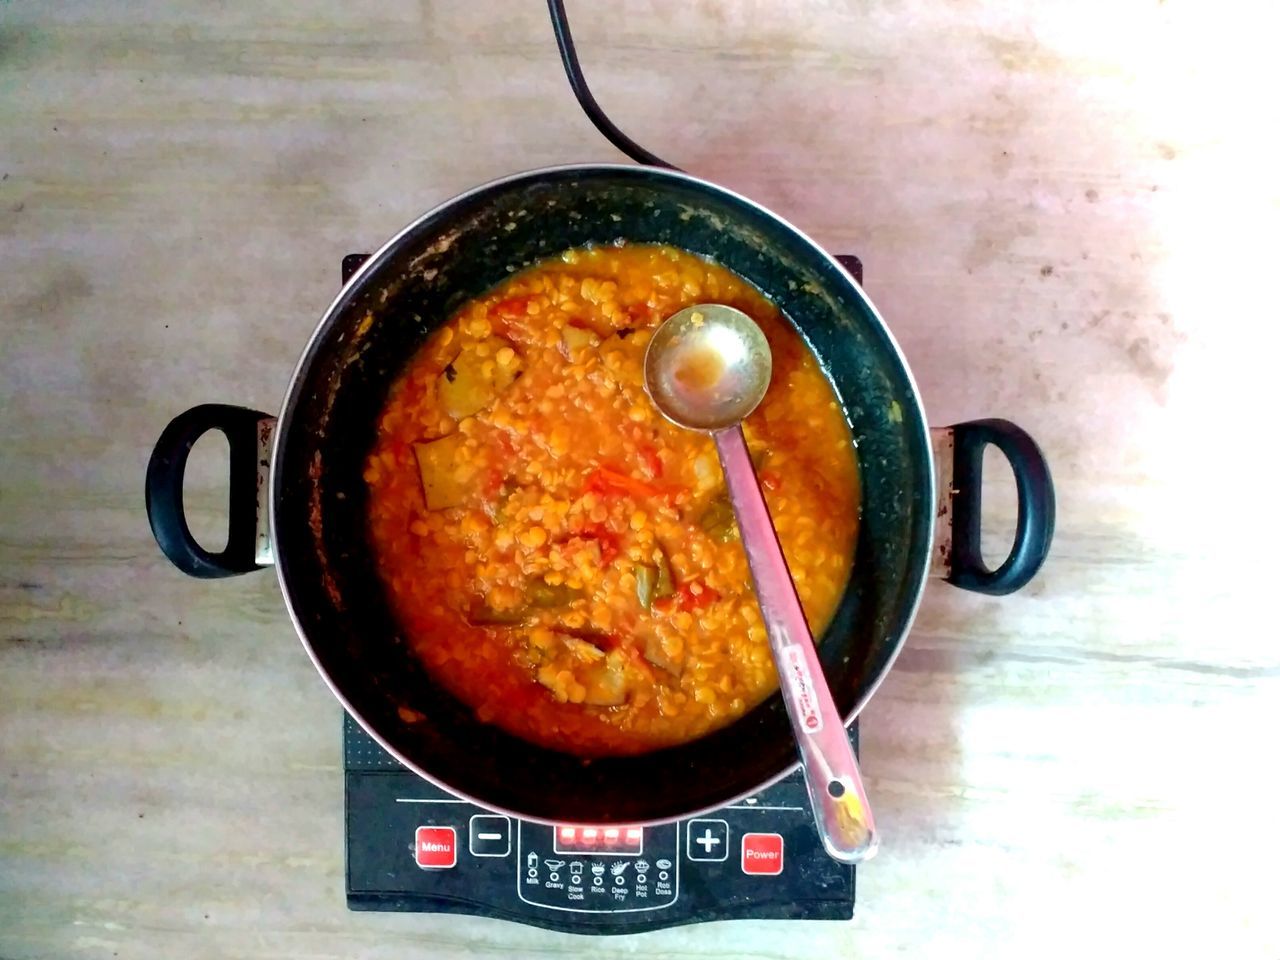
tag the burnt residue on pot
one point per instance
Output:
(315, 516)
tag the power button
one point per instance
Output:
(762, 854)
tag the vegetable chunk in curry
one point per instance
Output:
(562, 558)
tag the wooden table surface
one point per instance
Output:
(1067, 213)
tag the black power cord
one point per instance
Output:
(578, 83)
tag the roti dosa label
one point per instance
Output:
(795, 672)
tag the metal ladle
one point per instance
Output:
(706, 368)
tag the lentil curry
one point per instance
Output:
(561, 557)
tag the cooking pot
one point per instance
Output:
(298, 498)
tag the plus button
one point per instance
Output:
(708, 840)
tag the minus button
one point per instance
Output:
(489, 835)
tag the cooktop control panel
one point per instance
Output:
(597, 869)
(414, 847)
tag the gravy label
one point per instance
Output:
(795, 670)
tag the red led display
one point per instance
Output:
(626, 841)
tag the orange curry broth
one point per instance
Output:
(565, 561)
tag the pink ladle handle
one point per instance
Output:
(839, 800)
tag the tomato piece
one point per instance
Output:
(639, 314)
(606, 539)
(513, 306)
(770, 480)
(609, 549)
(613, 483)
(652, 462)
(688, 599)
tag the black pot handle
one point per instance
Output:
(959, 532)
(248, 433)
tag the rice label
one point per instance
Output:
(795, 671)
